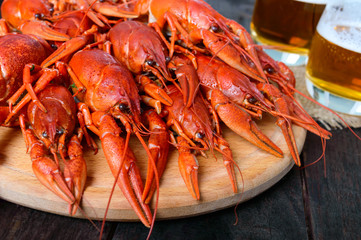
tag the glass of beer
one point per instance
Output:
(287, 26)
(333, 71)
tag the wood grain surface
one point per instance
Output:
(260, 171)
(333, 199)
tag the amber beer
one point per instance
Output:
(286, 23)
(334, 62)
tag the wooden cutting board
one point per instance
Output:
(260, 171)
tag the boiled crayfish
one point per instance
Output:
(111, 93)
(27, 17)
(54, 130)
(16, 51)
(175, 79)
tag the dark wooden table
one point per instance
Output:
(304, 204)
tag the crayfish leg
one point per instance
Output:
(66, 49)
(4, 113)
(228, 162)
(154, 91)
(42, 82)
(4, 28)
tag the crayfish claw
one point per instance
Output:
(287, 131)
(131, 185)
(188, 167)
(50, 176)
(43, 30)
(121, 160)
(241, 123)
(46, 170)
(158, 145)
(75, 172)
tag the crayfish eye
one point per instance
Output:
(44, 134)
(270, 70)
(167, 59)
(39, 15)
(59, 131)
(199, 135)
(150, 62)
(53, 46)
(252, 100)
(123, 107)
(215, 28)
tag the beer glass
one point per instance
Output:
(287, 24)
(333, 71)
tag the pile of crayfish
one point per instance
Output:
(172, 70)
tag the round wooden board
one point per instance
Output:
(260, 171)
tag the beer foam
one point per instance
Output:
(346, 36)
(343, 32)
(313, 1)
